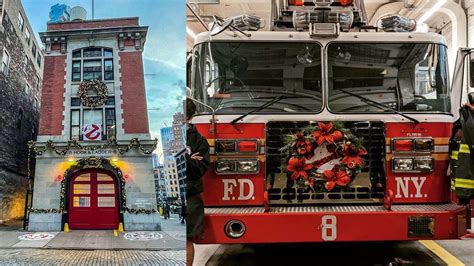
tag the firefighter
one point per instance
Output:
(197, 163)
(464, 170)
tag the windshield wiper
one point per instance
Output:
(263, 106)
(380, 105)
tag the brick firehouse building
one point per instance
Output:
(93, 155)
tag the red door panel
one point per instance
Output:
(93, 201)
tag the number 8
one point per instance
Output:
(328, 226)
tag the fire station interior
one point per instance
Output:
(255, 72)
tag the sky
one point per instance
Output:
(165, 49)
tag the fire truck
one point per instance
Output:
(320, 67)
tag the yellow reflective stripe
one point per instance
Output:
(464, 183)
(453, 187)
(464, 148)
(454, 155)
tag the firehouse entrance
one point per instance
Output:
(93, 200)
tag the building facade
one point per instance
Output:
(172, 183)
(20, 87)
(173, 140)
(166, 140)
(160, 183)
(179, 133)
(93, 154)
(181, 169)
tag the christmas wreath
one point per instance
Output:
(323, 156)
(93, 101)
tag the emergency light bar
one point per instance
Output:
(302, 15)
(303, 18)
(319, 2)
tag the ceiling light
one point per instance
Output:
(430, 12)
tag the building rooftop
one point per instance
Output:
(93, 24)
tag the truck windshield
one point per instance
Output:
(408, 77)
(238, 77)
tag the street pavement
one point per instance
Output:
(357, 253)
(90, 257)
(94, 247)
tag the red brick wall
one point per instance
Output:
(133, 93)
(90, 24)
(129, 42)
(52, 100)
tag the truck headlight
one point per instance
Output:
(424, 164)
(237, 166)
(413, 164)
(402, 164)
(226, 167)
(247, 166)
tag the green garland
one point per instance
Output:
(302, 163)
(31, 210)
(140, 211)
(99, 87)
(112, 143)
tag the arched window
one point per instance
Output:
(92, 63)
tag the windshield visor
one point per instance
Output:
(237, 77)
(408, 77)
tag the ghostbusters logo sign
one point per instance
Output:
(92, 132)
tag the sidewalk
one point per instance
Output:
(172, 237)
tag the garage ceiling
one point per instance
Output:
(262, 8)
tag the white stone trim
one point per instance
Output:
(120, 131)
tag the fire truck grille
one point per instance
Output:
(418, 222)
(367, 187)
(421, 226)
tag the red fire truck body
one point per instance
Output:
(403, 192)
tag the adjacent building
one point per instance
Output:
(179, 133)
(160, 179)
(181, 169)
(160, 183)
(94, 151)
(172, 182)
(173, 140)
(166, 140)
(21, 79)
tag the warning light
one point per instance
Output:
(296, 2)
(59, 178)
(345, 2)
(70, 160)
(114, 159)
(127, 177)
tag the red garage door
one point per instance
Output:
(93, 201)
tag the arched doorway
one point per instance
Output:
(93, 200)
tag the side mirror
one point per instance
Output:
(220, 25)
